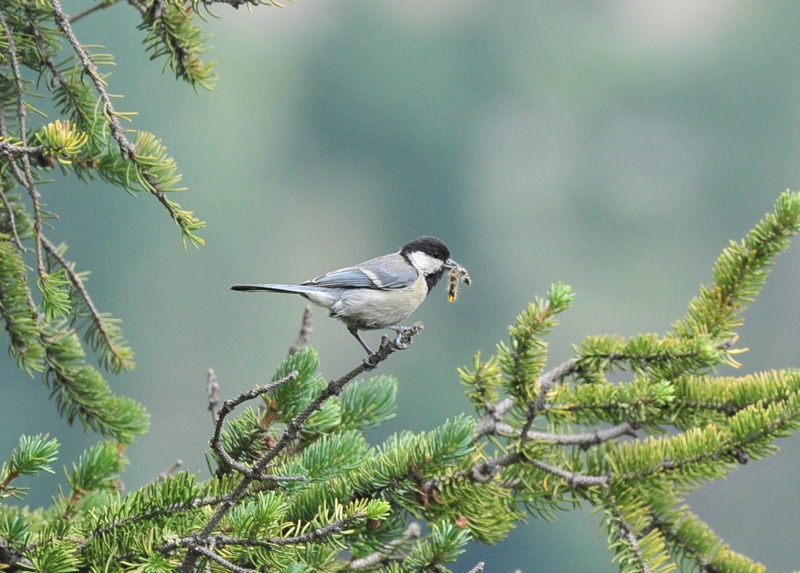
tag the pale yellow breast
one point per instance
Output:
(374, 309)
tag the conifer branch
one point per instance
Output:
(12, 219)
(121, 356)
(495, 413)
(117, 131)
(156, 171)
(145, 516)
(318, 534)
(552, 437)
(290, 434)
(193, 544)
(23, 176)
(228, 407)
(627, 535)
(697, 542)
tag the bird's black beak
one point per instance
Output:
(451, 264)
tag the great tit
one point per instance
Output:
(379, 293)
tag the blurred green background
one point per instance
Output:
(615, 146)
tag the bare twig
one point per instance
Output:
(572, 479)
(92, 10)
(12, 220)
(236, 3)
(305, 332)
(139, 5)
(227, 408)
(548, 380)
(12, 557)
(584, 440)
(413, 531)
(163, 475)
(212, 556)
(212, 391)
(487, 470)
(8, 148)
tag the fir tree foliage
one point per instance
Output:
(34, 455)
(297, 485)
(45, 305)
(577, 437)
(628, 426)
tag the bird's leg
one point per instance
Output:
(370, 358)
(354, 331)
(400, 330)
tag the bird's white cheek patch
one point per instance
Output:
(425, 263)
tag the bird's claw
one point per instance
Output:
(398, 342)
(371, 361)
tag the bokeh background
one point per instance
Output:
(615, 146)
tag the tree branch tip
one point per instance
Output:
(306, 330)
(212, 391)
(413, 531)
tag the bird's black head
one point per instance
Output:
(430, 257)
(430, 246)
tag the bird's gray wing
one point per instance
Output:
(387, 272)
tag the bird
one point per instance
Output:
(377, 294)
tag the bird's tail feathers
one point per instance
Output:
(298, 289)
